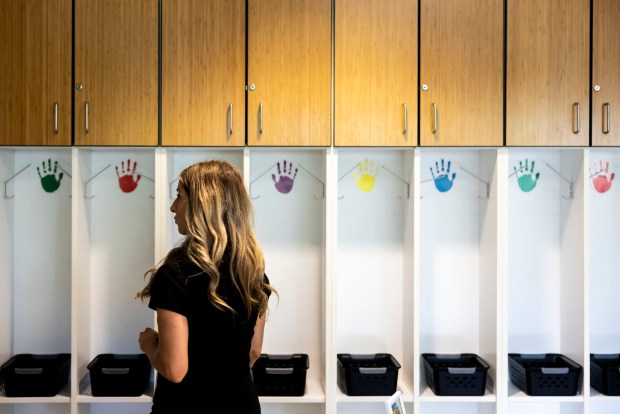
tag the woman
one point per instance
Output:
(210, 295)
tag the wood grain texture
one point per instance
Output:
(35, 74)
(376, 73)
(461, 62)
(606, 73)
(289, 62)
(203, 72)
(547, 72)
(116, 61)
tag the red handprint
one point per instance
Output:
(126, 181)
(600, 178)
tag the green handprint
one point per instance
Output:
(524, 176)
(365, 179)
(48, 179)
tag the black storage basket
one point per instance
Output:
(545, 374)
(460, 374)
(281, 374)
(605, 373)
(35, 375)
(367, 374)
(119, 375)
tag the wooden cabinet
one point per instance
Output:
(376, 73)
(203, 73)
(461, 73)
(116, 72)
(289, 73)
(35, 77)
(547, 73)
(605, 70)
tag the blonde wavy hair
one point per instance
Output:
(220, 227)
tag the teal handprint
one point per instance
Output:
(524, 176)
(48, 178)
(443, 179)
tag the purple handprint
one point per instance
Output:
(286, 177)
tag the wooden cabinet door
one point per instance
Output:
(461, 73)
(289, 73)
(606, 74)
(547, 73)
(116, 72)
(203, 73)
(35, 74)
(376, 73)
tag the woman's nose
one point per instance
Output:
(172, 207)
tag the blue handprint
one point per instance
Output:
(443, 180)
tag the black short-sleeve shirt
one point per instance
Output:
(218, 379)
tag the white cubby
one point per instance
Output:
(403, 268)
(457, 292)
(35, 269)
(546, 259)
(113, 247)
(373, 272)
(603, 321)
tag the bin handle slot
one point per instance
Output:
(462, 370)
(373, 370)
(279, 371)
(28, 371)
(561, 370)
(114, 371)
(282, 356)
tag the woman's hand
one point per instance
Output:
(148, 340)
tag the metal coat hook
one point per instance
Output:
(395, 175)
(252, 182)
(90, 179)
(151, 180)
(316, 178)
(6, 196)
(66, 172)
(344, 175)
(170, 186)
(425, 181)
(570, 183)
(479, 179)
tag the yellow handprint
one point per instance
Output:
(365, 178)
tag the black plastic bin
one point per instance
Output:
(119, 375)
(375, 374)
(545, 374)
(605, 373)
(280, 374)
(455, 374)
(35, 375)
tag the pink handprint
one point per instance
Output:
(601, 179)
(126, 181)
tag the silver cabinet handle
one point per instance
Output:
(55, 117)
(230, 118)
(576, 117)
(404, 119)
(606, 117)
(260, 118)
(86, 130)
(434, 118)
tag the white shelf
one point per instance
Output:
(401, 268)
(315, 393)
